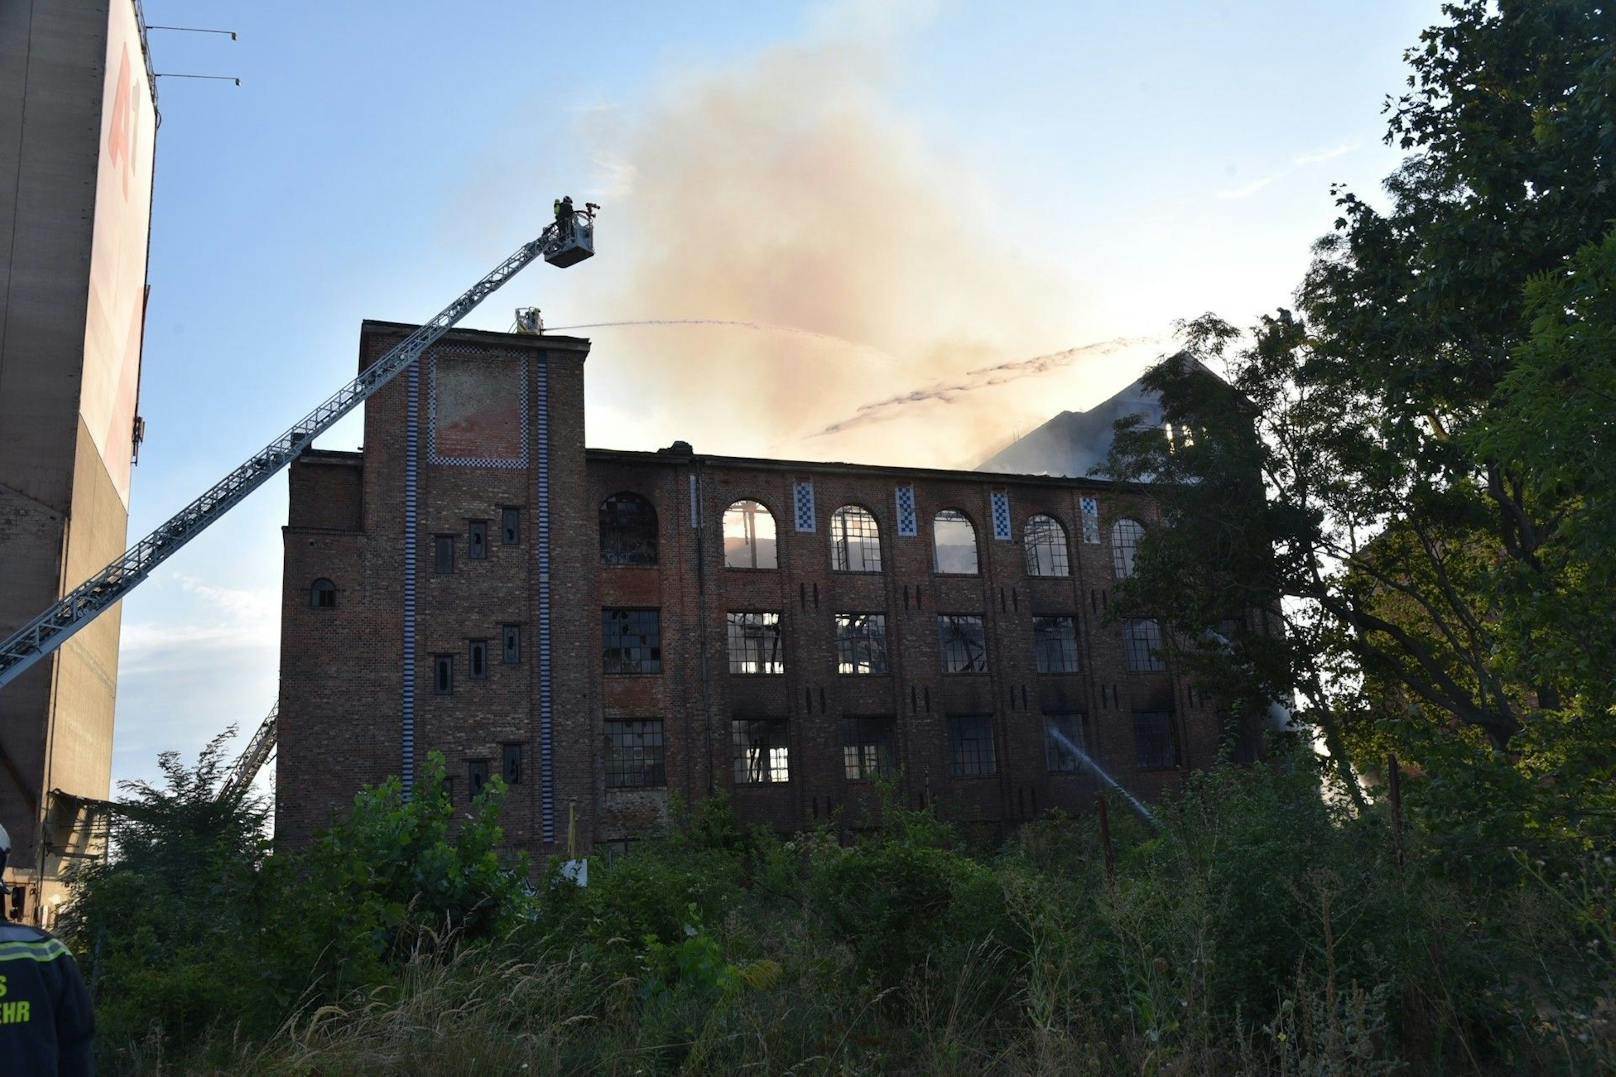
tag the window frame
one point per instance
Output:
(1125, 554)
(945, 621)
(317, 593)
(510, 644)
(508, 754)
(473, 646)
(1067, 646)
(955, 516)
(847, 644)
(750, 540)
(510, 525)
(476, 540)
(1042, 531)
(842, 543)
(969, 765)
(857, 741)
(778, 625)
(623, 555)
(474, 768)
(1052, 720)
(777, 738)
(649, 758)
(623, 646)
(1169, 726)
(1138, 655)
(441, 543)
(443, 674)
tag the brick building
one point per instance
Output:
(612, 630)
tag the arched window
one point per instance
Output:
(1045, 542)
(323, 594)
(953, 541)
(628, 531)
(749, 536)
(1125, 536)
(855, 540)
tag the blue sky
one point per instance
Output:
(945, 186)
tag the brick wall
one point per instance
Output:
(342, 692)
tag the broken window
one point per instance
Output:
(443, 674)
(963, 642)
(477, 659)
(754, 643)
(510, 525)
(476, 776)
(1055, 644)
(861, 643)
(1065, 736)
(749, 539)
(855, 540)
(632, 640)
(1125, 536)
(1044, 540)
(510, 763)
(628, 531)
(477, 540)
(761, 753)
(443, 547)
(510, 642)
(868, 748)
(1142, 643)
(634, 754)
(1155, 740)
(954, 543)
(323, 594)
(971, 742)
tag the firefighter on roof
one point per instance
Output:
(46, 1021)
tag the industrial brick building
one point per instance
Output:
(614, 630)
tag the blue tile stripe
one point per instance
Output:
(412, 450)
(546, 745)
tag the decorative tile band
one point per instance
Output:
(1001, 515)
(1091, 520)
(802, 500)
(546, 687)
(908, 522)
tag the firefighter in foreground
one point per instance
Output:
(46, 1022)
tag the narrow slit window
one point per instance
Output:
(477, 659)
(510, 764)
(443, 551)
(476, 776)
(477, 540)
(443, 674)
(510, 641)
(510, 526)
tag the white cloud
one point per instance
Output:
(1248, 190)
(1318, 156)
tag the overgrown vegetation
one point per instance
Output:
(1407, 525)
(1263, 930)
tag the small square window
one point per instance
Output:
(443, 549)
(477, 659)
(631, 640)
(510, 645)
(443, 674)
(754, 643)
(510, 526)
(511, 764)
(476, 776)
(861, 643)
(477, 540)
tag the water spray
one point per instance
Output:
(1100, 772)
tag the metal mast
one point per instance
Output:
(39, 637)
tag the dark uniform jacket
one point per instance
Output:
(46, 1021)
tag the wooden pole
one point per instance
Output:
(1105, 839)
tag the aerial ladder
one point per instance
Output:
(251, 760)
(567, 241)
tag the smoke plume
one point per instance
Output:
(787, 194)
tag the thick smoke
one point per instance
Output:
(786, 193)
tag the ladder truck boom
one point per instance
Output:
(563, 243)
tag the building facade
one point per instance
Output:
(78, 124)
(616, 631)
